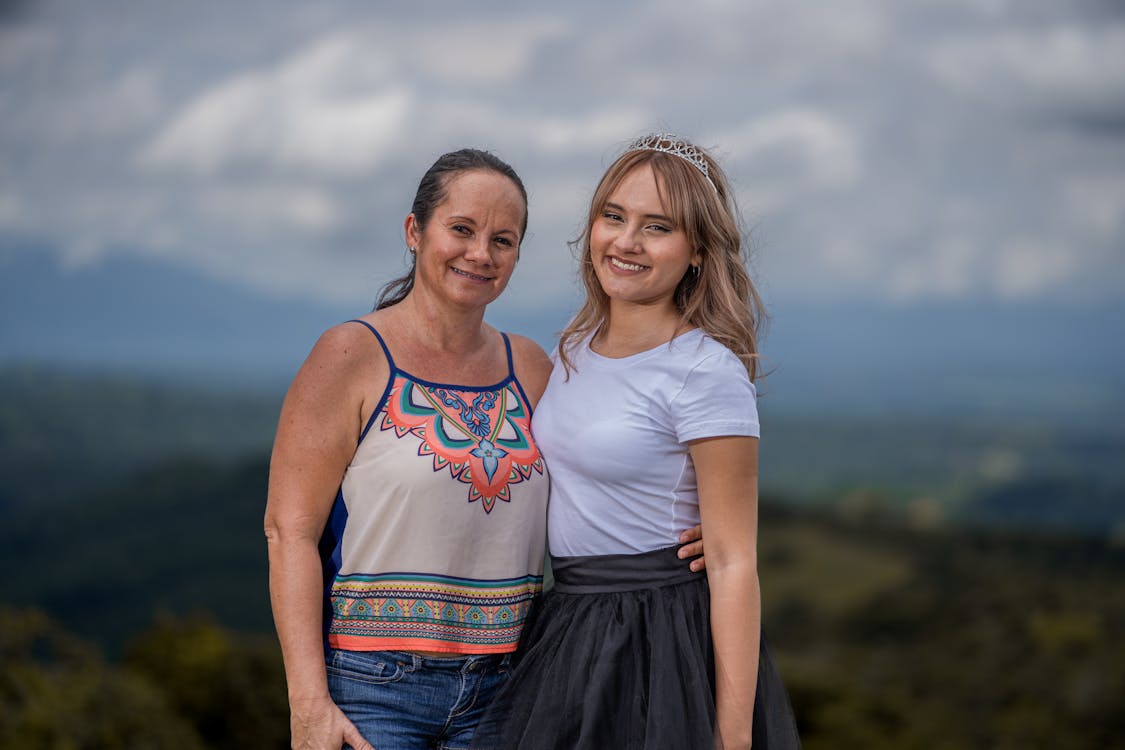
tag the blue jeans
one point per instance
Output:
(402, 701)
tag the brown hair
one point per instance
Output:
(720, 298)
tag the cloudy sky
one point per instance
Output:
(885, 152)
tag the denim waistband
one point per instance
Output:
(412, 660)
(597, 574)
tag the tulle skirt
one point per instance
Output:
(618, 655)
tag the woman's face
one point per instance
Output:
(468, 249)
(638, 252)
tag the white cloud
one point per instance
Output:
(484, 52)
(348, 101)
(884, 150)
(949, 268)
(790, 153)
(333, 110)
(263, 210)
(585, 133)
(823, 146)
(1025, 267)
(12, 209)
(24, 47)
(1095, 204)
(1062, 64)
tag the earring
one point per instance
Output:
(413, 250)
(694, 272)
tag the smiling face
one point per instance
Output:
(638, 253)
(467, 250)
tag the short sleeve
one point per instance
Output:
(717, 399)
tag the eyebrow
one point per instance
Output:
(658, 217)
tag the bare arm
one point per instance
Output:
(316, 438)
(727, 468)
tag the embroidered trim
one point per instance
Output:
(385, 610)
(481, 437)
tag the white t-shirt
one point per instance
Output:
(615, 439)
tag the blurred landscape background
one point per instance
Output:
(935, 198)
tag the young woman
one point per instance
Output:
(649, 424)
(407, 496)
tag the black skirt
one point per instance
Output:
(618, 655)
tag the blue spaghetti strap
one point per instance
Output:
(386, 351)
(508, 349)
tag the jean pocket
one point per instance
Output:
(375, 667)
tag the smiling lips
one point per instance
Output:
(618, 263)
(472, 276)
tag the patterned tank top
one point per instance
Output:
(436, 539)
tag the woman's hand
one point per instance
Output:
(692, 541)
(318, 724)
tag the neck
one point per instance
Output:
(456, 331)
(629, 329)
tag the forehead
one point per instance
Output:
(482, 191)
(640, 186)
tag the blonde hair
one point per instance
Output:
(721, 298)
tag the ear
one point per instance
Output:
(412, 231)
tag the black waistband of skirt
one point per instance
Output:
(597, 574)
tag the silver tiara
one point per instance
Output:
(669, 143)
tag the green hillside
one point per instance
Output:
(888, 637)
(926, 585)
(63, 434)
(183, 538)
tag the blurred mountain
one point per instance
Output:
(939, 412)
(1020, 361)
(1014, 361)
(151, 316)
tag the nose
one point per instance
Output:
(480, 251)
(626, 239)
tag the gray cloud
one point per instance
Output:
(936, 150)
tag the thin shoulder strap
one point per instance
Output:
(390, 359)
(507, 348)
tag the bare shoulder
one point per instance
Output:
(346, 357)
(533, 366)
(347, 345)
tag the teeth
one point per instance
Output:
(626, 266)
(470, 275)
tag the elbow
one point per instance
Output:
(280, 531)
(272, 531)
(271, 524)
(283, 528)
(731, 557)
(733, 570)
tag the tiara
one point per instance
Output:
(669, 143)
